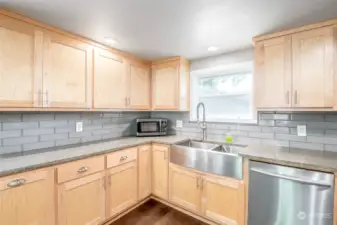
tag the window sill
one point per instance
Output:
(234, 121)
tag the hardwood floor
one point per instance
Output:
(155, 213)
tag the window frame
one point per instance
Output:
(231, 69)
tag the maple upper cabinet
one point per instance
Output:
(296, 69)
(21, 64)
(170, 84)
(314, 65)
(28, 198)
(223, 200)
(110, 80)
(160, 170)
(273, 73)
(144, 171)
(67, 72)
(139, 86)
(185, 188)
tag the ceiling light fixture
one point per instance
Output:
(213, 49)
(110, 41)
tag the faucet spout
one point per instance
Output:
(202, 124)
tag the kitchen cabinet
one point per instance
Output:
(139, 86)
(273, 73)
(170, 84)
(223, 199)
(185, 188)
(296, 70)
(122, 188)
(67, 72)
(160, 170)
(144, 172)
(28, 198)
(20, 64)
(110, 80)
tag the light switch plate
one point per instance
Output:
(179, 123)
(79, 126)
(301, 130)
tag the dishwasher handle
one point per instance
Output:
(300, 180)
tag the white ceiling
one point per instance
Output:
(161, 28)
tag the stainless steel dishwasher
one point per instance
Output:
(280, 195)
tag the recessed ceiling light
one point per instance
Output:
(213, 49)
(110, 41)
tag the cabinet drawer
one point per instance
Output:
(121, 157)
(80, 168)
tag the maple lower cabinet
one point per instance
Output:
(273, 73)
(20, 64)
(184, 188)
(170, 84)
(67, 72)
(223, 200)
(313, 67)
(110, 80)
(82, 201)
(28, 198)
(122, 187)
(160, 170)
(144, 171)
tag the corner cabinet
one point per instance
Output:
(297, 70)
(160, 170)
(144, 171)
(28, 198)
(170, 84)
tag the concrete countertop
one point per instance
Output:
(307, 159)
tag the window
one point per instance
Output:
(225, 91)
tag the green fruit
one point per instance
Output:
(229, 139)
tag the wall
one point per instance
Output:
(272, 129)
(22, 132)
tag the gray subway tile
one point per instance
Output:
(10, 133)
(52, 137)
(323, 140)
(330, 148)
(102, 131)
(307, 117)
(19, 125)
(65, 129)
(111, 135)
(246, 140)
(261, 135)
(285, 123)
(269, 123)
(37, 116)
(38, 131)
(19, 140)
(80, 134)
(92, 127)
(91, 138)
(70, 141)
(289, 137)
(322, 125)
(307, 146)
(238, 133)
(39, 145)
(331, 133)
(10, 149)
(54, 123)
(280, 130)
(275, 142)
(10, 117)
(310, 132)
(67, 116)
(101, 121)
(331, 118)
(249, 128)
(272, 116)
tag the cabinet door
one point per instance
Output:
(122, 188)
(223, 200)
(20, 64)
(165, 88)
(144, 171)
(67, 78)
(139, 88)
(160, 171)
(184, 188)
(273, 73)
(27, 198)
(313, 70)
(110, 80)
(82, 201)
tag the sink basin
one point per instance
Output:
(198, 144)
(233, 149)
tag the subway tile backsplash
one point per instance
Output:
(273, 128)
(32, 131)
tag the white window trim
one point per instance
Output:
(241, 67)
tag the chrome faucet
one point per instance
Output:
(202, 125)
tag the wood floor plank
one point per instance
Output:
(155, 213)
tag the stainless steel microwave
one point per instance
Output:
(151, 127)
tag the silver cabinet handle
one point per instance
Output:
(287, 97)
(47, 98)
(126, 101)
(198, 182)
(83, 169)
(16, 183)
(123, 158)
(296, 179)
(165, 155)
(295, 97)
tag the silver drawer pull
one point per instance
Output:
(16, 183)
(83, 169)
(123, 158)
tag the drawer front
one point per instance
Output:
(80, 168)
(121, 157)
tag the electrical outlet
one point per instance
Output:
(79, 126)
(301, 130)
(179, 123)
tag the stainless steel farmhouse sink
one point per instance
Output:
(208, 157)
